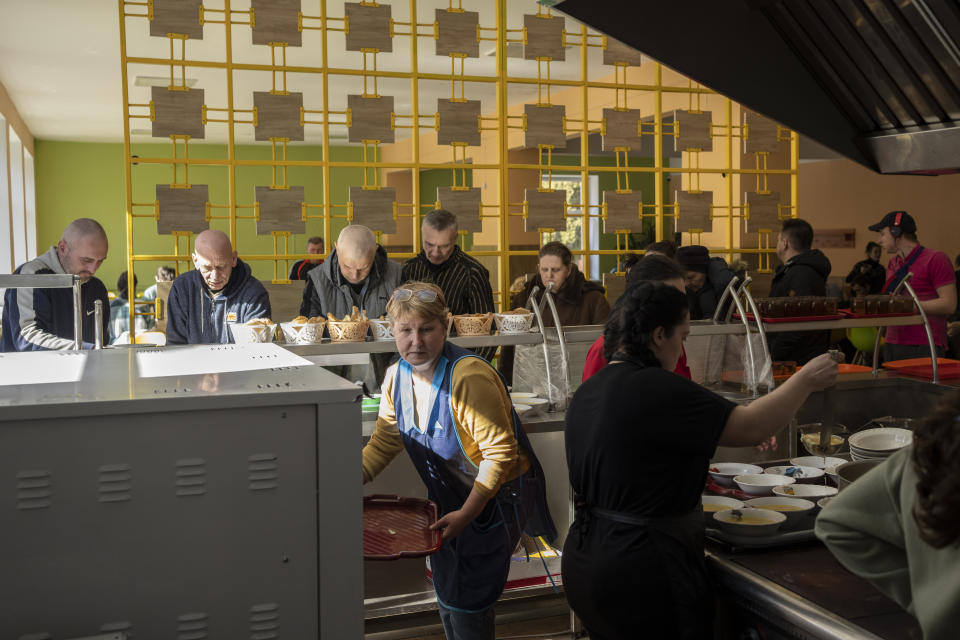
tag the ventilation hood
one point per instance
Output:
(877, 81)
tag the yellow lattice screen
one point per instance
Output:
(526, 124)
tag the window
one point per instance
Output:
(30, 204)
(6, 231)
(17, 199)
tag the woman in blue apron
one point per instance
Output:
(639, 439)
(451, 412)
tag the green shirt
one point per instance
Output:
(870, 528)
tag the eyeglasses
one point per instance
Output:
(424, 295)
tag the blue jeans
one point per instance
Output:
(460, 625)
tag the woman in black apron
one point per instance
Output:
(451, 412)
(639, 439)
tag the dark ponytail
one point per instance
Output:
(936, 449)
(642, 308)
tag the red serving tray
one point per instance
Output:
(750, 317)
(918, 362)
(396, 527)
(945, 371)
(850, 314)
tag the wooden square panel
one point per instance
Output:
(370, 119)
(764, 211)
(623, 211)
(368, 27)
(182, 209)
(693, 210)
(373, 208)
(618, 53)
(278, 115)
(457, 33)
(622, 129)
(761, 134)
(276, 21)
(545, 209)
(544, 37)
(459, 122)
(177, 113)
(545, 126)
(463, 203)
(694, 130)
(176, 16)
(280, 210)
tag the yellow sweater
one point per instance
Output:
(481, 411)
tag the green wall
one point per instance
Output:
(80, 179)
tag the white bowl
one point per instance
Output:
(816, 461)
(822, 502)
(522, 395)
(513, 323)
(831, 471)
(522, 409)
(539, 405)
(251, 333)
(713, 504)
(761, 484)
(798, 473)
(723, 472)
(882, 440)
(381, 330)
(808, 491)
(302, 332)
(795, 509)
(750, 522)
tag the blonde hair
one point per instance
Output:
(414, 306)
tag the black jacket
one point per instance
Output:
(873, 270)
(802, 275)
(703, 303)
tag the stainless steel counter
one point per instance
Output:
(201, 503)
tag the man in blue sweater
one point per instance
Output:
(220, 291)
(42, 319)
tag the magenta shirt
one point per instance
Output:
(931, 269)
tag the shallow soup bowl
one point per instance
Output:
(749, 521)
(724, 472)
(761, 484)
(795, 509)
(713, 504)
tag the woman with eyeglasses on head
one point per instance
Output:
(451, 411)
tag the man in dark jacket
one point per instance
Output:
(706, 279)
(42, 319)
(220, 291)
(803, 273)
(301, 268)
(358, 274)
(871, 268)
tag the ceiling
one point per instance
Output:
(876, 80)
(66, 84)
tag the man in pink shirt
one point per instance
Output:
(933, 280)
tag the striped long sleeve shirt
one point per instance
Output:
(464, 281)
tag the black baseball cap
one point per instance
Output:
(900, 219)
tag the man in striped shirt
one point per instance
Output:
(464, 281)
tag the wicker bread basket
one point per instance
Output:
(473, 324)
(347, 330)
(251, 333)
(513, 323)
(302, 332)
(381, 330)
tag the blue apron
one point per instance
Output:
(470, 571)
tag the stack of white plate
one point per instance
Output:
(877, 444)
